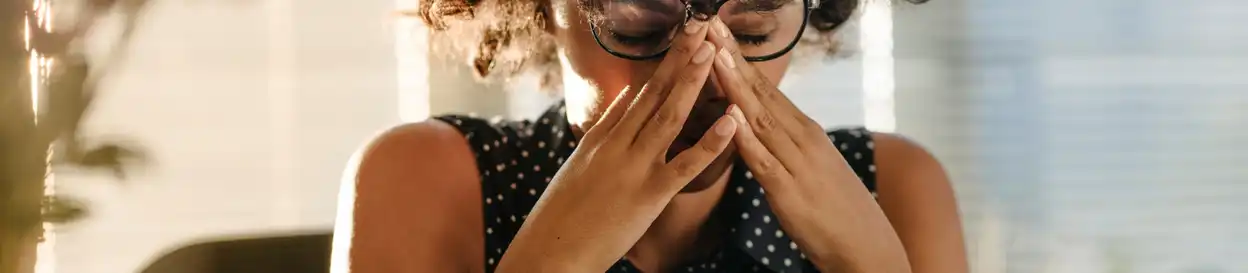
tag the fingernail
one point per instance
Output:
(693, 26)
(704, 53)
(726, 58)
(735, 112)
(725, 127)
(721, 29)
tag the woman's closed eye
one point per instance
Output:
(747, 38)
(752, 31)
(637, 38)
(654, 37)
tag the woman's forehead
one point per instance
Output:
(679, 3)
(668, 4)
(596, 6)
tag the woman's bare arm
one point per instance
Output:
(408, 205)
(916, 195)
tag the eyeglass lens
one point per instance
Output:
(641, 28)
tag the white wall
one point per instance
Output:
(250, 109)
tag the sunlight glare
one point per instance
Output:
(411, 52)
(40, 66)
(878, 80)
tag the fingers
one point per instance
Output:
(774, 117)
(728, 70)
(689, 163)
(767, 169)
(756, 83)
(611, 117)
(763, 123)
(686, 44)
(667, 122)
(750, 86)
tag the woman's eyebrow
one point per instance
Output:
(758, 5)
(651, 5)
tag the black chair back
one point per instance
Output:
(279, 254)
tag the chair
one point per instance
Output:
(307, 253)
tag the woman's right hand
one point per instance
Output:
(618, 180)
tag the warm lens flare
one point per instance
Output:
(878, 79)
(40, 66)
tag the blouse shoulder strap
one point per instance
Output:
(856, 146)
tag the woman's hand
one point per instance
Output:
(618, 180)
(813, 191)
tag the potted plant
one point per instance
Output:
(46, 87)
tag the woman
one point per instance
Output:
(672, 152)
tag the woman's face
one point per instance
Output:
(593, 76)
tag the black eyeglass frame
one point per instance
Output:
(809, 5)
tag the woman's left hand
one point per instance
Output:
(811, 188)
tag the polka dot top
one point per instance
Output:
(517, 159)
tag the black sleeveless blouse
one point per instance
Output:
(517, 159)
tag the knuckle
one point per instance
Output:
(663, 179)
(658, 133)
(605, 144)
(766, 167)
(764, 123)
(708, 146)
(665, 118)
(655, 85)
(684, 47)
(763, 89)
(684, 168)
(688, 77)
(591, 138)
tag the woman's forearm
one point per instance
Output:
(557, 252)
(530, 260)
(560, 236)
(544, 247)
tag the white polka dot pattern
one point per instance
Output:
(517, 159)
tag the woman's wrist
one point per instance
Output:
(863, 243)
(882, 253)
(864, 253)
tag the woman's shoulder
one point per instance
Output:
(438, 143)
(428, 178)
(412, 183)
(438, 156)
(411, 147)
(414, 163)
(432, 153)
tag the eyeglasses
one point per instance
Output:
(644, 29)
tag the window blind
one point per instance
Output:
(1086, 136)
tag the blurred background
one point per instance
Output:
(1082, 136)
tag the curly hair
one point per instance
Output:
(505, 38)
